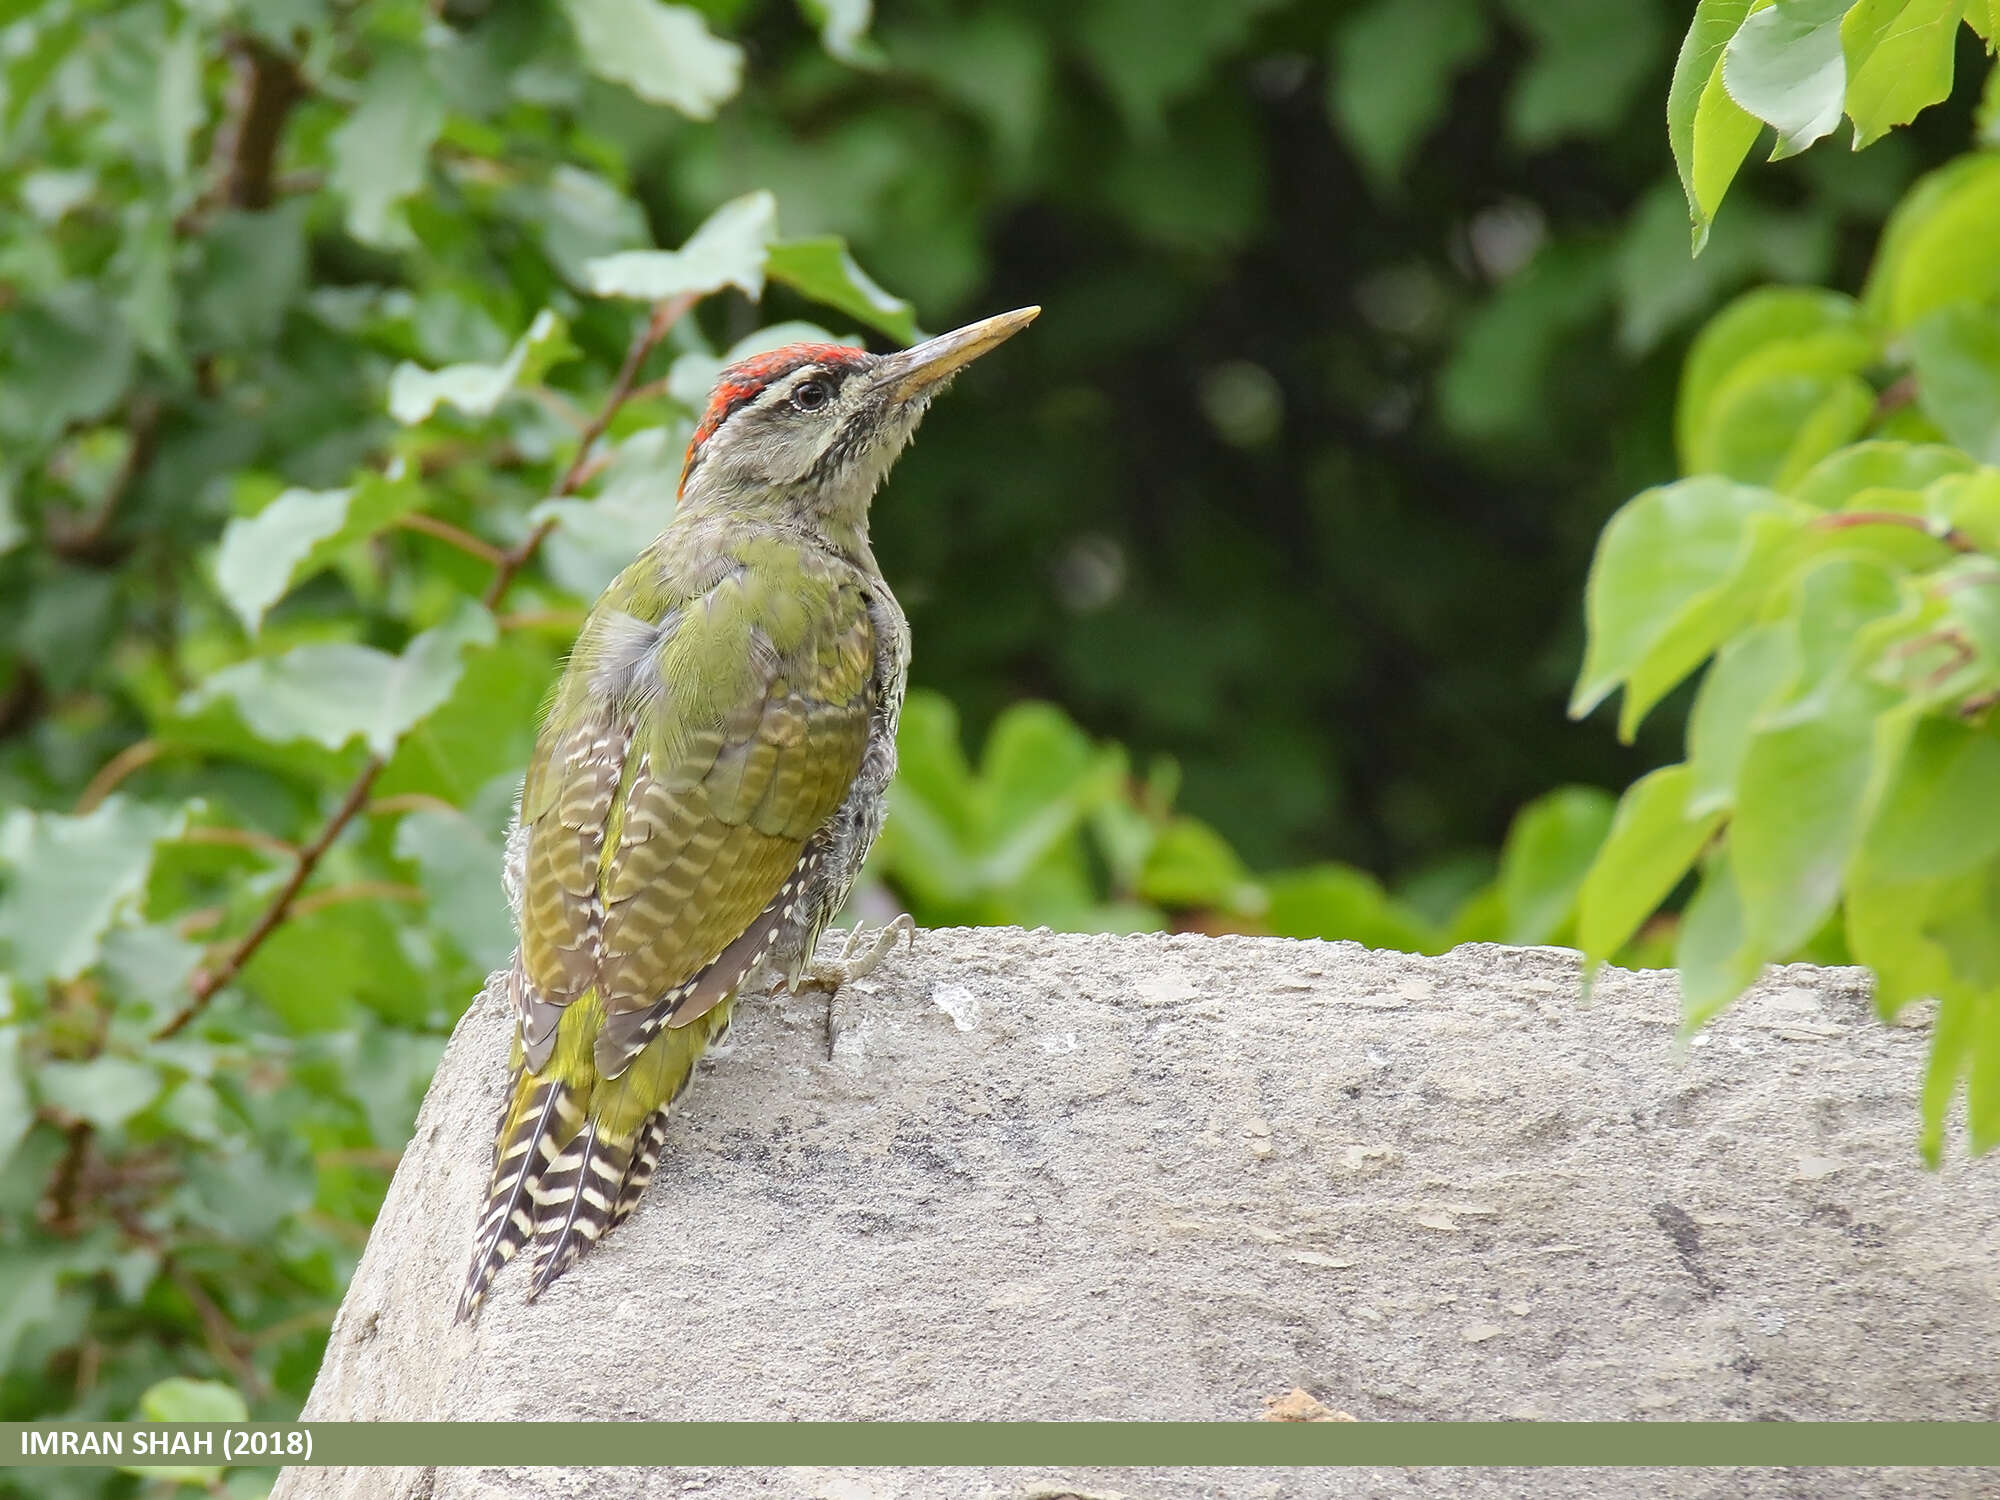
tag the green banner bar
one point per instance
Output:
(1004, 1444)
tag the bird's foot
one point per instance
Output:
(859, 955)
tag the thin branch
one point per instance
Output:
(240, 838)
(1940, 531)
(90, 541)
(357, 890)
(284, 1328)
(404, 802)
(268, 85)
(444, 531)
(124, 763)
(58, 1208)
(375, 1158)
(225, 1340)
(1896, 395)
(566, 620)
(208, 979)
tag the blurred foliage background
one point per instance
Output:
(338, 369)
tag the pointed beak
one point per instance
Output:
(919, 371)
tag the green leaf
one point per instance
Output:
(1886, 929)
(1710, 953)
(1390, 81)
(17, 1111)
(1936, 248)
(1653, 842)
(476, 389)
(1710, 133)
(298, 534)
(1589, 59)
(595, 540)
(843, 28)
(485, 729)
(1748, 675)
(823, 270)
(179, 101)
(1340, 903)
(180, 1399)
(1956, 352)
(69, 357)
(1549, 849)
(1147, 66)
(67, 879)
(1767, 335)
(1802, 793)
(1659, 597)
(381, 151)
(1834, 481)
(731, 248)
(1785, 66)
(1190, 866)
(663, 53)
(332, 694)
(460, 863)
(105, 1091)
(1940, 813)
(1898, 61)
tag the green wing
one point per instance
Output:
(675, 792)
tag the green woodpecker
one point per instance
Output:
(708, 781)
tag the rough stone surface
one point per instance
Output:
(1018, 1175)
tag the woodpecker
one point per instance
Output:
(707, 782)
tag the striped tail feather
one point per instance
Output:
(576, 1201)
(645, 1157)
(541, 1114)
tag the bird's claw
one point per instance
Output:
(860, 954)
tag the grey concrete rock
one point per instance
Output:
(1021, 1175)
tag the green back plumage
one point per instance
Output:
(708, 725)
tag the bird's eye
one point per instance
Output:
(810, 395)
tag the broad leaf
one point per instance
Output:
(663, 53)
(1549, 850)
(1899, 60)
(476, 389)
(460, 862)
(1940, 813)
(380, 153)
(1709, 952)
(104, 1091)
(1833, 483)
(1784, 65)
(1190, 866)
(1748, 675)
(1763, 336)
(824, 270)
(1341, 903)
(1956, 351)
(1936, 250)
(1391, 76)
(843, 28)
(65, 880)
(1659, 582)
(296, 535)
(731, 248)
(1710, 133)
(1653, 842)
(333, 694)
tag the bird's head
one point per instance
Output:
(806, 433)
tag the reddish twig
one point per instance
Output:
(208, 979)
(124, 763)
(1940, 531)
(452, 535)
